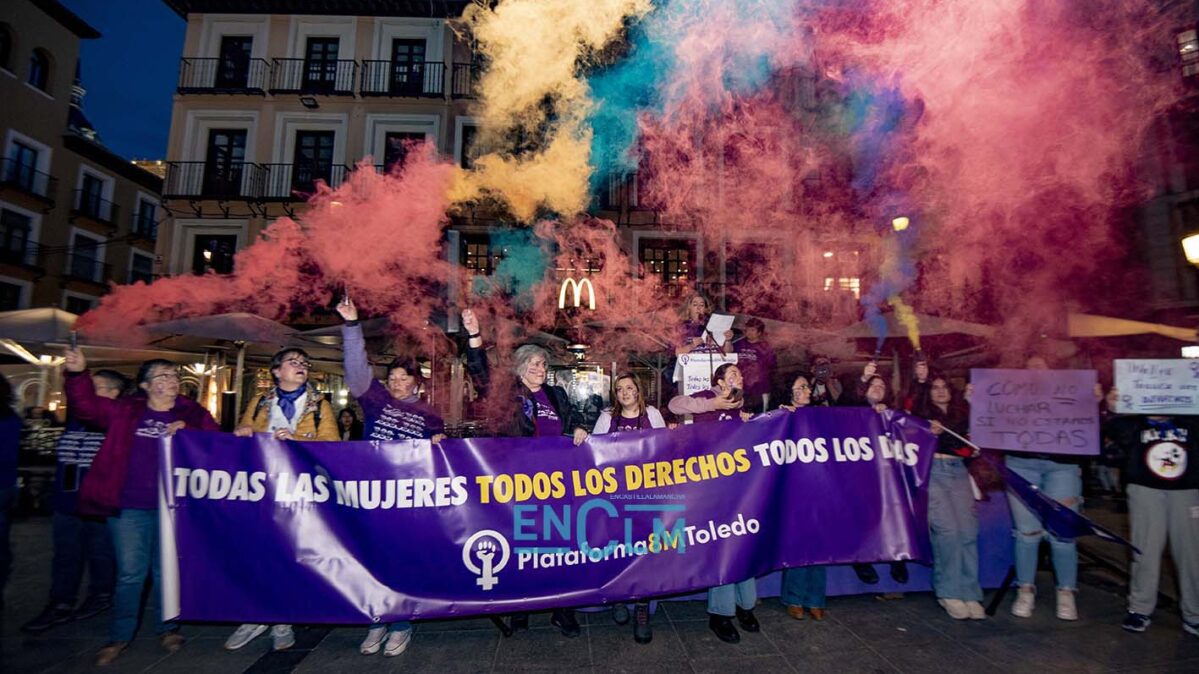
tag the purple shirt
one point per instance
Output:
(545, 419)
(141, 478)
(621, 424)
(716, 415)
(756, 361)
(391, 419)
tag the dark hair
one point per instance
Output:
(719, 373)
(886, 388)
(118, 380)
(350, 410)
(6, 398)
(756, 322)
(925, 408)
(280, 356)
(408, 365)
(143, 372)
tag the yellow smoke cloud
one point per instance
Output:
(532, 91)
(907, 318)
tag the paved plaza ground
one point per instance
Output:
(860, 634)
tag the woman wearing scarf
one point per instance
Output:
(291, 410)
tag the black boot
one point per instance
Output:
(745, 617)
(899, 572)
(519, 622)
(866, 573)
(53, 614)
(642, 633)
(564, 620)
(722, 625)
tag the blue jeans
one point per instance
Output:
(804, 587)
(1063, 483)
(953, 528)
(135, 540)
(401, 626)
(8, 503)
(725, 599)
(78, 541)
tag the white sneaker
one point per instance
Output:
(282, 637)
(243, 635)
(956, 608)
(397, 642)
(1066, 610)
(373, 641)
(976, 610)
(1025, 600)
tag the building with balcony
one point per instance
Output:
(74, 216)
(275, 97)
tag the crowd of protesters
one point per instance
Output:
(106, 501)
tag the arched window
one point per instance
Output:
(39, 69)
(5, 46)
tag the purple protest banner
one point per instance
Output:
(267, 531)
(1041, 411)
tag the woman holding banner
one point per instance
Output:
(542, 411)
(953, 526)
(803, 588)
(1059, 478)
(631, 414)
(723, 402)
(122, 483)
(291, 410)
(871, 391)
(393, 412)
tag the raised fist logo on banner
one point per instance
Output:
(487, 569)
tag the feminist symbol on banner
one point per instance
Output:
(488, 541)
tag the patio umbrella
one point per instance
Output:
(1089, 325)
(47, 324)
(240, 328)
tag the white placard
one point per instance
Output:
(1166, 386)
(719, 324)
(697, 369)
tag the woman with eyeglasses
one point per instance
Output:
(290, 410)
(952, 523)
(803, 591)
(631, 413)
(122, 483)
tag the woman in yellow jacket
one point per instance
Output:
(292, 410)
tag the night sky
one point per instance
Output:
(130, 72)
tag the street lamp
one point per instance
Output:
(1190, 248)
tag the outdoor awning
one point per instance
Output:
(929, 326)
(1090, 325)
(37, 325)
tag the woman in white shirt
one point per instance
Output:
(630, 413)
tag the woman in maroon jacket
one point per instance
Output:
(123, 482)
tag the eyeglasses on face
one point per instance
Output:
(165, 376)
(299, 364)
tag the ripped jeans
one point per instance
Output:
(1063, 483)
